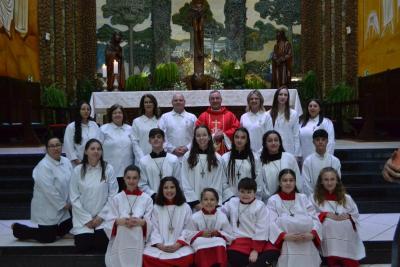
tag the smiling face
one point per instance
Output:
(313, 109)
(94, 152)
(215, 100)
(156, 142)
(117, 116)
(54, 148)
(209, 201)
(169, 190)
(287, 182)
(329, 181)
(84, 111)
(148, 106)
(202, 138)
(178, 103)
(246, 195)
(131, 179)
(240, 140)
(254, 103)
(283, 96)
(273, 144)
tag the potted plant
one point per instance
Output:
(55, 101)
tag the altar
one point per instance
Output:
(100, 101)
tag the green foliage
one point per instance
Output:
(341, 93)
(138, 82)
(53, 97)
(166, 75)
(283, 12)
(217, 85)
(84, 90)
(233, 75)
(180, 86)
(253, 81)
(309, 87)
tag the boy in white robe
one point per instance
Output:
(212, 232)
(169, 244)
(250, 221)
(315, 162)
(338, 213)
(157, 164)
(295, 227)
(128, 223)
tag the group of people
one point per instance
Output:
(203, 191)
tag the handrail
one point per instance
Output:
(395, 246)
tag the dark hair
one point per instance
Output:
(320, 133)
(247, 184)
(194, 151)
(234, 154)
(275, 109)
(265, 156)
(282, 173)
(179, 197)
(156, 110)
(48, 138)
(153, 132)
(340, 191)
(78, 121)
(209, 189)
(306, 116)
(85, 161)
(133, 168)
(111, 110)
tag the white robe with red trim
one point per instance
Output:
(254, 221)
(305, 220)
(125, 247)
(161, 221)
(209, 222)
(340, 238)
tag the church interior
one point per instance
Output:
(56, 55)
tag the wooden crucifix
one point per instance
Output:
(197, 10)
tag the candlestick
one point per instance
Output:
(104, 70)
(115, 67)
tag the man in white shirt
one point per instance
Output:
(178, 126)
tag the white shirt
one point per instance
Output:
(141, 127)
(289, 131)
(51, 191)
(178, 129)
(152, 167)
(75, 151)
(312, 165)
(196, 179)
(90, 196)
(257, 124)
(306, 132)
(268, 180)
(117, 146)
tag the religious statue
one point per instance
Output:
(197, 11)
(281, 61)
(114, 52)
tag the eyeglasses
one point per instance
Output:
(54, 146)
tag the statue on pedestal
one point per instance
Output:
(197, 11)
(281, 61)
(114, 52)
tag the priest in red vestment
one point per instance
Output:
(221, 122)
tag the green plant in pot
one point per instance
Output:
(138, 82)
(165, 76)
(55, 100)
(233, 75)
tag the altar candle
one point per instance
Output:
(104, 70)
(115, 67)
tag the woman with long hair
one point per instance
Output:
(78, 133)
(50, 202)
(141, 126)
(93, 185)
(274, 159)
(295, 227)
(201, 167)
(240, 162)
(338, 213)
(255, 120)
(314, 120)
(117, 143)
(285, 121)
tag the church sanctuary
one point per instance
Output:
(199, 133)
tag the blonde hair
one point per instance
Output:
(320, 191)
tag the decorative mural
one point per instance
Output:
(378, 36)
(160, 31)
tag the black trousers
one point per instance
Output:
(238, 259)
(44, 233)
(94, 242)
